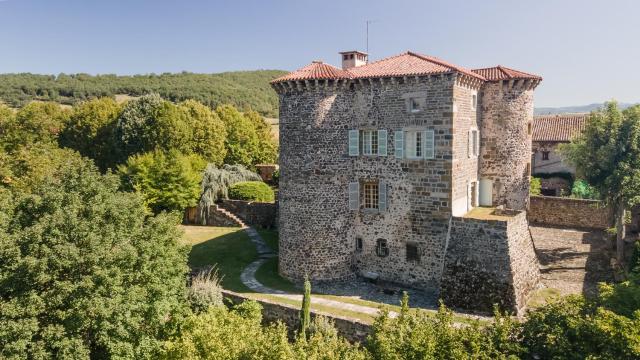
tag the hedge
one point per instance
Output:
(251, 191)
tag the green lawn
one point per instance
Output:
(267, 275)
(229, 249)
(271, 238)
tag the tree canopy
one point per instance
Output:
(84, 272)
(167, 181)
(243, 89)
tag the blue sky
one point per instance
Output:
(587, 51)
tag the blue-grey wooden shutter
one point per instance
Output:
(382, 142)
(354, 196)
(398, 139)
(429, 144)
(354, 143)
(382, 196)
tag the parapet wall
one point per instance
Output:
(580, 213)
(351, 329)
(489, 262)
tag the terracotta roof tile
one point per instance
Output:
(316, 70)
(558, 128)
(503, 73)
(405, 64)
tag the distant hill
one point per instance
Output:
(573, 109)
(243, 89)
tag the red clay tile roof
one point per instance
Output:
(503, 73)
(558, 128)
(317, 70)
(405, 64)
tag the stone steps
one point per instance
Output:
(231, 216)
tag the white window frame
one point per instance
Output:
(414, 141)
(369, 142)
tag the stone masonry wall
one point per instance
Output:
(317, 230)
(256, 214)
(213, 217)
(505, 150)
(559, 211)
(351, 329)
(465, 164)
(489, 262)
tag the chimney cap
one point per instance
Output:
(353, 52)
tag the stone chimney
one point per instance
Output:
(351, 59)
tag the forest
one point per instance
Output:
(246, 90)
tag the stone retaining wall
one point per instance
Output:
(559, 211)
(257, 214)
(489, 262)
(351, 329)
(213, 217)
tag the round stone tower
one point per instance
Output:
(313, 184)
(505, 146)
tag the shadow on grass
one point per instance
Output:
(230, 253)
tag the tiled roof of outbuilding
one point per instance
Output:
(558, 128)
(503, 73)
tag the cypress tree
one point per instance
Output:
(305, 312)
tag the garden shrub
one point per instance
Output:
(205, 290)
(252, 191)
(535, 186)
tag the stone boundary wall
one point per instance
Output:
(213, 217)
(351, 329)
(258, 214)
(560, 211)
(489, 262)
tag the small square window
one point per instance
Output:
(359, 244)
(412, 252)
(370, 190)
(545, 155)
(382, 250)
(414, 105)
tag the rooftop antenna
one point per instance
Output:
(368, 22)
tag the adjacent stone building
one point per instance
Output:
(549, 131)
(381, 162)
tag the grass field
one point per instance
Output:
(228, 249)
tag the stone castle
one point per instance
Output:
(384, 166)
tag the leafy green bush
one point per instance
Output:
(573, 328)
(535, 186)
(582, 190)
(238, 334)
(167, 181)
(251, 191)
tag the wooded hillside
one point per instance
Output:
(243, 89)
